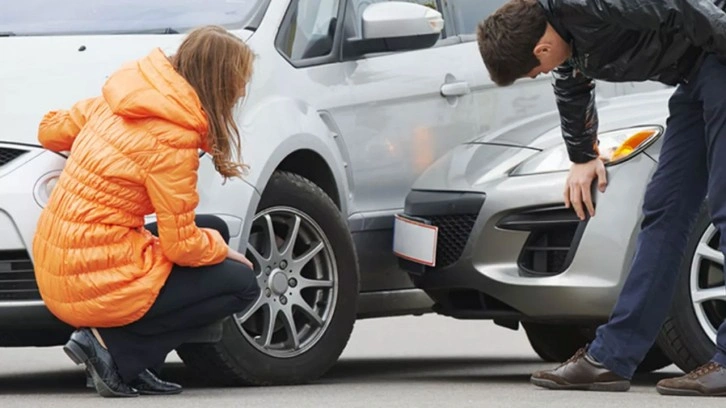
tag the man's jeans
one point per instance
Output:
(692, 163)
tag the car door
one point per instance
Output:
(496, 106)
(405, 110)
(396, 114)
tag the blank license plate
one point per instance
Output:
(415, 240)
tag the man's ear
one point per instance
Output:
(541, 49)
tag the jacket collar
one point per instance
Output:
(555, 21)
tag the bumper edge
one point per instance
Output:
(28, 315)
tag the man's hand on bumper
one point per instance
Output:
(579, 183)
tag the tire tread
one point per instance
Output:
(215, 365)
(675, 347)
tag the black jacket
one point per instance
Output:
(626, 40)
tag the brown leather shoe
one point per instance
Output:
(707, 380)
(580, 372)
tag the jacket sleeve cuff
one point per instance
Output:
(219, 248)
(583, 156)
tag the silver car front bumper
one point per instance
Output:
(523, 255)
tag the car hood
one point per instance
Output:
(543, 131)
(493, 155)
(39, 74)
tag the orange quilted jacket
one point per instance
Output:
(133, 152)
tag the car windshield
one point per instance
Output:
(55, 17)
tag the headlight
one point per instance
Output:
(615, 147)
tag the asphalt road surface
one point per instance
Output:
(411, 362)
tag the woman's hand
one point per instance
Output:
(236, 256)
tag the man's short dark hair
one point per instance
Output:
(507, 39)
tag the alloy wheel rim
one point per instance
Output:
(706, 284)
(297, 273)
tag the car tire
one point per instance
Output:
(553, 343)
(557, 343)
(688, 334)
(239, 358)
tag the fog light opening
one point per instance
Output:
(44, 187)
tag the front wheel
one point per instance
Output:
(308, 271)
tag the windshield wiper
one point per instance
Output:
(167, 30)
(7, 34)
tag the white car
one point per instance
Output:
(350, 101)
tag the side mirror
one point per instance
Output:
(397, 26)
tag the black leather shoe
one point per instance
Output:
(149, 384)
(89, 380)
(83, 348)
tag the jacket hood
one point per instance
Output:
(151, 88)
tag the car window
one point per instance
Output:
(464, 15)
(53, 17)
(310, 30)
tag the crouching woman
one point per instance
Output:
(133, 295)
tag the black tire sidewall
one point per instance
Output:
(557, 343)
(286, 189)
(554, 342)
(682, 337)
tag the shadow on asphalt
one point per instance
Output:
(472, 370)
(360, 370)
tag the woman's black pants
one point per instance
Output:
(191, 299)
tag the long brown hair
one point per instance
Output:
(218, 66)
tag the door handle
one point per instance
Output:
(455, 88)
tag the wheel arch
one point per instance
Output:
(309, 156)
(306, 155)
(311, 165)
(281, 132)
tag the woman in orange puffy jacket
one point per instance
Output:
(133, 295)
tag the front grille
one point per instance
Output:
(453, 212)
(7, 155)
(17, 278)
(454, 232)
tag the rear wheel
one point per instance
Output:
(557, 343)
(308, 272)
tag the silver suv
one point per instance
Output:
(350, 102)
